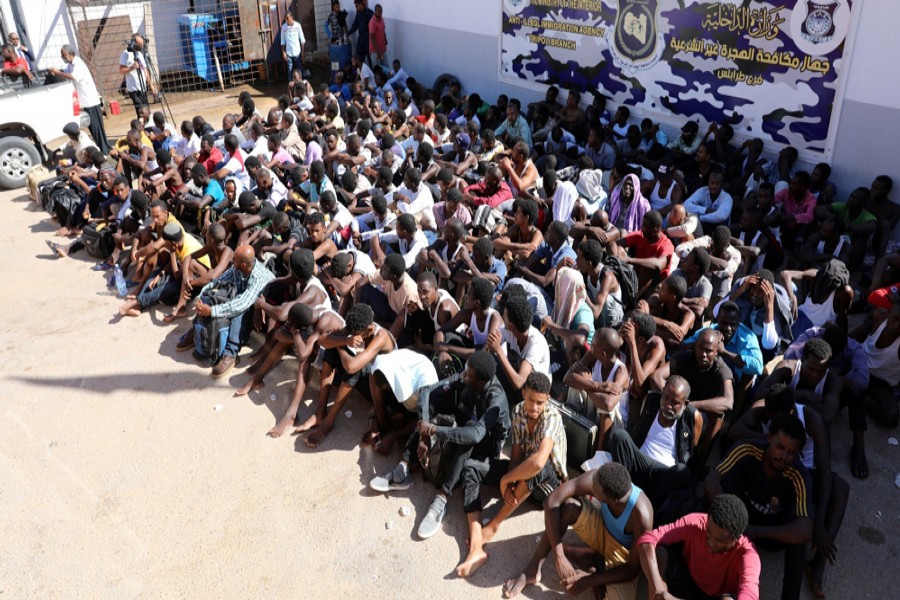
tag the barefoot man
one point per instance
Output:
(349, 354)
(536, 467)
(611, 565)
(302, 330)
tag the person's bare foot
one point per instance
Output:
(178, 314)
(62, 232)
(127, 307)
(282, 425)
(472, 563)
(132, 312)
(308, 424)
(513, 587)
(815, 577)
(250, 385)
(318, 436)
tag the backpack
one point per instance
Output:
(211, 333)
(627, 278)
(432, 469)
(98, 240)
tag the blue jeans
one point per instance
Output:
(238, 332)
(166, 290)
(294, 62)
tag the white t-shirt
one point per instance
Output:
(536, 350)
(185, 147)
(236, 167)
(135, 81)
(342, 216)
(84, 83)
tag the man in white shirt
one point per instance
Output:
(77, 71)
(133, 65)
(292, 42)
(409, 239)
(666, 434)
(711, 203)
(520, 349)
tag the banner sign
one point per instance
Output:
(769, 68)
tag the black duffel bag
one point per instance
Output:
(98, 240)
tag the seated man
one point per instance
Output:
(829, 298)
(724, 259)
(302, 332)
(658, 451)
(798, 205)
(711, 381)
(479, 264)
(475, 403)
(649, 251)
(831, 491)
(408, 237)
(204, 208)
(555, 252)
(674, 319)
(469, 328)
(829, 241)
(317, 239)
(536, 467)
(526, 348)
(598, 384)
(394, 384)
(610, 565)
(751, 240)
(711, 203)
(766, 309)
(776, 491)
(347, 268)
(349, 353)
(881, 342)
(644, 351)
(248, 276)
(523, 237)
(165, 283)
(694, 267)
(253, 215)
(388, 292)
(604, 295)
(811, 378)
(300, 286)
(443, 255)
(739, 349)
(703, 557)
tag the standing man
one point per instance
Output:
(22, 51)
(364, 14)
(77, 72)
(292, 42)
(133, 65)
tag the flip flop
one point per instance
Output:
(54, 248)
(101, 266)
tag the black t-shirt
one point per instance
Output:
(770, 501)
(266, 212)
(704, 384)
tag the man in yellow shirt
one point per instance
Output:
(164, 283)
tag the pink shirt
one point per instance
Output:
(377, 36)
(802, 211)
(462, 213)
(734, 572)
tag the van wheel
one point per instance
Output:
(17, 156)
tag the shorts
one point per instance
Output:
(591, 528)
(341, 376)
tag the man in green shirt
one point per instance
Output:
(860, 223)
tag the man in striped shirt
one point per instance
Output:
(775, 488)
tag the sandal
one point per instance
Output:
(54, 248)
(859, 464)
(101, 266)
(370, 438)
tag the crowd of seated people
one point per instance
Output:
(480, 270)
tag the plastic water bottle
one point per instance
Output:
(121, 288)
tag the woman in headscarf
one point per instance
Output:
(628, 206)
(571, 321)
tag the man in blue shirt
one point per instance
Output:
(292, 41)
(554, 252)
(711, 203)
(364, 14)
(514, 127)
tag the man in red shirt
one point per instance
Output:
(492, 190)
(649, 251)
(702, 556)
(14, 65)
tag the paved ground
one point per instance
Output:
(120, 479)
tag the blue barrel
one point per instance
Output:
(340, 57)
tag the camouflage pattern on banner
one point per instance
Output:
(770, 68)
